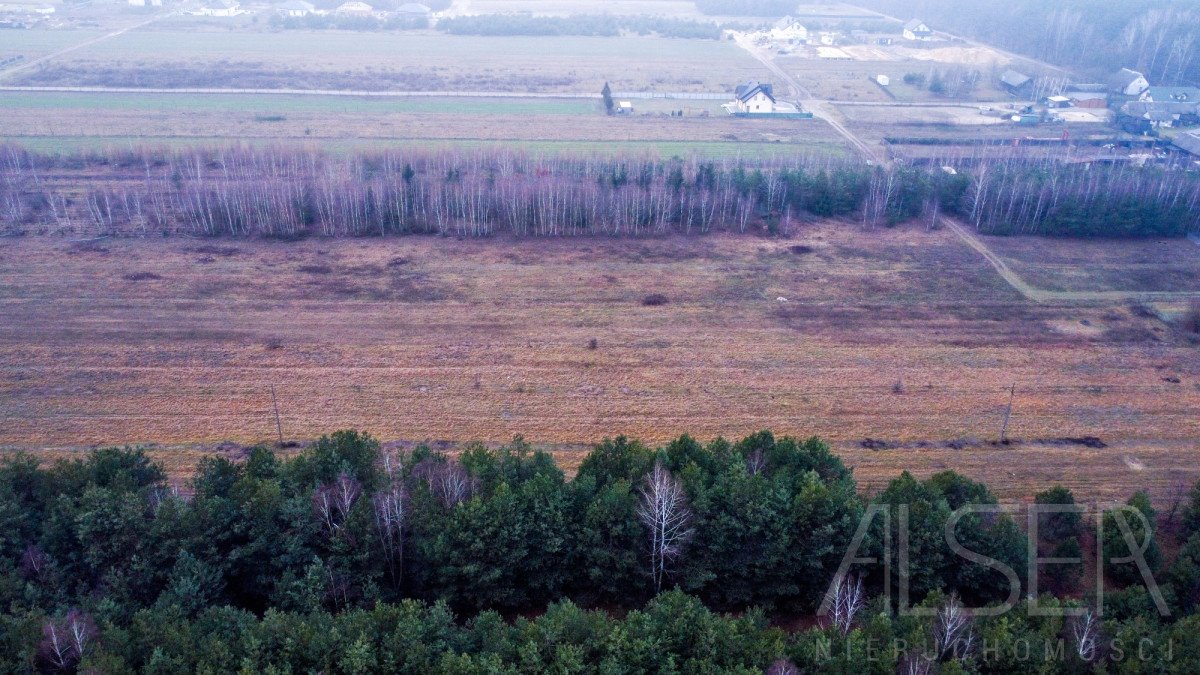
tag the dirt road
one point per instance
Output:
(1043, 296)
(67, 50)
(820, 109)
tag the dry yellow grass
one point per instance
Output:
(424, 338)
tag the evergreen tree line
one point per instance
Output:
(287, 192)
(351, 558)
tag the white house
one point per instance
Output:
(296, 8)
(917, 30)
(220, 8)
(145, 3)
(789, 30)
(1129, 83)
(625, 107)
(355, 8)
(754, 97)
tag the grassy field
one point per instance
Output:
(406, 60)
(63, 121)
(903, 336)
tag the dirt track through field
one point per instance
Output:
(1039, 295)
(67, 50)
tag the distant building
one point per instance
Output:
(220, 8)
(355, 8)
(789, 30)
(413, 9)
(1087, 95)
(1128, 83)
(1172, 95)
(917, 30)
(1016, 83)
(145, 3)
(295, 8)
(884, 41)
(1189, 143)
(1056, 102)
(754, 97)
(624, 108)
(883, 80)
(1145, 115)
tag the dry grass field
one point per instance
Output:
(905, 337)
(409, 60)
(152, 118)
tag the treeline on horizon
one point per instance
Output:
(1156, 37)
(289, 192)
(350, 558)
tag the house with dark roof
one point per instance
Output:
(917, 30)
(754, 97)
(1128, 82)
(1016, 83)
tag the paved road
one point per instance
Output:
(1042, 296)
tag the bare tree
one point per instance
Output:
(665, 513)
(952, 632)
(389, 507)
(448, 481)
(34, 562)
(783, 667)
(332, 502)
(65, 641)
(914, 664)
(1085, 629)
(845, 601)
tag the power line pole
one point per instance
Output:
(279, 427)
(1007, 414)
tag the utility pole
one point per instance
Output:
(279, 427)
(1007, 413)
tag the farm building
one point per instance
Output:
(355, 8)
(414, 9)
(624, 108)
(917, 30)
(1016, 83)
(296, 8)
(754, 97)
(1087, 95)
(883, 80)
(1172, 95)
(1157, 114)
(789, 30)
(1056, 102)
(220, 8)
(1128, 83)
(1189, 143)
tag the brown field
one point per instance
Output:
(903, 336)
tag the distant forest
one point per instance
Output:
(1156, 37)
(290, 192)
(348, 557)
